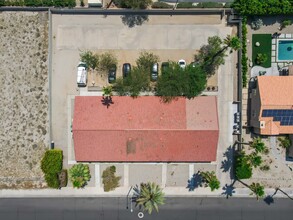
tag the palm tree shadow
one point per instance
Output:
(132, 20)
(270, 198)
(227, 163)
(107, 101)
(194, 182)
(229, 190)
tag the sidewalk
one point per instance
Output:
(123, 191)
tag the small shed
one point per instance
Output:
(95, 3)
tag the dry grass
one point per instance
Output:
(23, 98)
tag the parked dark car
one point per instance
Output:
(112, 74)
(165, 66)
(154, 72)
(126, 68)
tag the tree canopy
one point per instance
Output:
(263, 7)
(134, 4)
(176, 81)
(137, 81)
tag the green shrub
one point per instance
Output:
(52, 180)
(2, 3)
(185, 5)
(62, 177)
(146, 60)
(258, 145)
(51, 165)
(209, 5)
(79, 174)
(110, 181)
(52, 161)
(244, 58)
(107, 60)
(263, 7)
(243, 168)
(161, 5)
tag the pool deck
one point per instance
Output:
(275, 61)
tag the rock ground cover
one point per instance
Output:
(24, 130)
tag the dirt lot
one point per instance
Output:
(24, 129)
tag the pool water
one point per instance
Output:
(285, 50)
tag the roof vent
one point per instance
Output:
(262, 124)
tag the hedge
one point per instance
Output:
(161, 5)
(39, 3)
(244, 58)
(263, 7)
(209, 5)
(51, 166)
(185, 5)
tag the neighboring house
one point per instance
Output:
(145, 129)
(272, 105)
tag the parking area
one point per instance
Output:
(170, 37)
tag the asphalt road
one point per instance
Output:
(115, 208)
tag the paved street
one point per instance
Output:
(115, 208)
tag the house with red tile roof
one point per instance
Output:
(145, 129)
(272, 105)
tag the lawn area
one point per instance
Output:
(265, 47)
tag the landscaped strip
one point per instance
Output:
(244, 52)
(265, 45)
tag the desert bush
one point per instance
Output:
(256, 24)
(91, 59)
(261, 58)
(107, 60)
(62, 177)
(79, 174)
(161, 5)
(265, 168)
(285, 142)
(146, 60)
(258, 145)
(51, 165)
(110, 181)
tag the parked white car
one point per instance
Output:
(182, 63)
(81, 74)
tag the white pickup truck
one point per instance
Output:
(81, 74)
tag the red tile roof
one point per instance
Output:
(145, 129)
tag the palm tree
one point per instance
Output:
(149, 196)
(257, 189)
(107, 91)
(210, 179)
(233, 42)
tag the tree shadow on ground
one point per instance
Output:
(270, 198)
(133, 20)
(107, 101)
(194, 182)
(229, 190)
(227, 163)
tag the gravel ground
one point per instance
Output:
(24, 129)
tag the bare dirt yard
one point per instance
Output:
(24, 129)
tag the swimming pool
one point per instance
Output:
(285, 50)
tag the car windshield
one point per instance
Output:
(181, 63)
